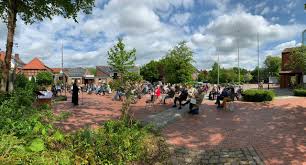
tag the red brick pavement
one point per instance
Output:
(277, 130)
(93, 110)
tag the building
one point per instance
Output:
(81, 75)
(16, 61)
(105, 74)
(289, 77)
(35, 66)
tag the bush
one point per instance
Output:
(254, 95)
(44, 78)
(27, 136)
(299, 92)
(118, 143)
(21, 81)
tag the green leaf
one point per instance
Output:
(37, 145)
(58, 136)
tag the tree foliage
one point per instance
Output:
(273, 65)
(298, 59)
(30, 11)
(178, 64)
(122, 60)
(150, 71)
(44, 78)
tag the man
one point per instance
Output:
(170, 94)
(196, 101)
(182, 96)
(75, 94)
(221, 97)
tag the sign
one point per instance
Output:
(304, 79)
(273, 80)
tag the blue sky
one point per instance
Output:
(153, 27)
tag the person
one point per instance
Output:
(191, 92)
(75, 94)
(222, 96)
(170, 94)
(196, 101)
(182, 96)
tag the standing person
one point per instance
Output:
(75, 94)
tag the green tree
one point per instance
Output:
(122, 61)
(203, 76)
(298, 59)
(273, 65)
(178, 64)
(150, 71)
(247, 77)
(263, 75)
(44, 78)
(30, 11)
(213, 74)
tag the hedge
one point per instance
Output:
(299, 92)
(254, 95)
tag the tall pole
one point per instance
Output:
(218, 67)
(258, 79)
(64, 77)
(238, 58)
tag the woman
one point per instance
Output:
(75, 94)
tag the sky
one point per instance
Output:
(153, 27)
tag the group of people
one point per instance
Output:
(181, 94)
(229, 93)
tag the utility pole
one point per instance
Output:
(218, 67)
(64, 77)
(258, 79)
(238, 38)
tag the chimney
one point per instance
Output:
(17, 57)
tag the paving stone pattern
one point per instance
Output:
(239, 156)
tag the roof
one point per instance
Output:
(2, 55)
(76, 72)
(105, 69)
(36, 64)
(290, 72)
(19, 62)
(56, 70)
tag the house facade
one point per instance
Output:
(35, 66)
(289, 77)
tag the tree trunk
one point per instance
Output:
(11, 25)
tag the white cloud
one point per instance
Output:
(180, 19)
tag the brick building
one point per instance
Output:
(35, 66)
(288, 76)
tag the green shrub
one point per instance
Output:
(27, 136)
(254, 95)
(118, 143)
(299, 92)
(44, 78)
(21, 81)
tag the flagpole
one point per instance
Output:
(238, 57)
(258, 79)
(218, 67)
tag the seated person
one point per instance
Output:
(182, 96)
(170, 94)
(196, 101)
(222, 96)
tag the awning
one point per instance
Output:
(289, 72)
